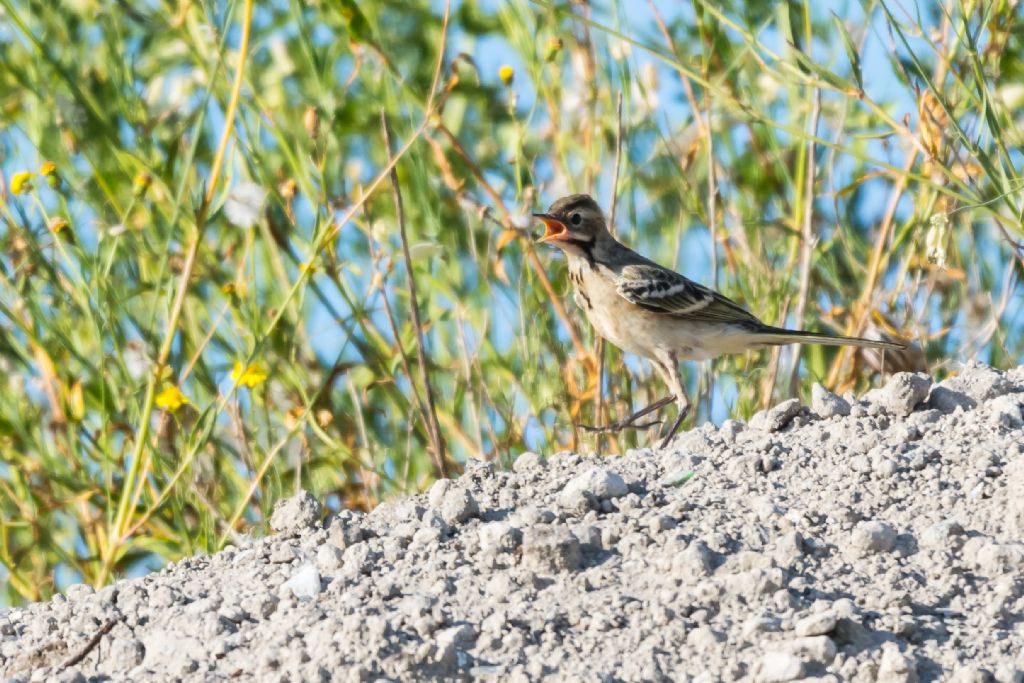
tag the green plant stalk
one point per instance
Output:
(133, 483)
(324, 239)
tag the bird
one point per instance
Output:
(654, 312)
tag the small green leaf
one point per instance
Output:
(425, 250)
(358, 27)
(680, 478)
(851, 51)
(361, 376)
(857, 182)
(807, 65)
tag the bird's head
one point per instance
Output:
(574, 224)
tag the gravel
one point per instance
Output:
(903, 392)
(879, 539)
(826, 404)
(296, 514)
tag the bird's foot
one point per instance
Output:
(615, 427)
(675, 426)
(631, 421)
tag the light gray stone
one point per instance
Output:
(1007, 411)
(813, 649)
(458, 505)
(551, 548)
(818, 624)
(778, 417)
(499, 537)
(304, 582)
(903, 392)
(873, 537)
(592, 486)
(941, 535)
(528, 460)
(780, 666)
(296, 514)
(826, 404)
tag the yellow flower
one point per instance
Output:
(76, 401)
(21, 183)
(57, 224)
(288, 188)
(171, 398)
(506, 73)
(141, 183)
(48, 168)
(554, 47)
(249, 376)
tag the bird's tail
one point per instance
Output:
(776, 336)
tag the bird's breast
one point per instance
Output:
(611, 316)
(580, 295)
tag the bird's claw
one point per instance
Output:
(675, 426)
(618, 426)
(631, 421)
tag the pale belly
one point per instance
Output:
(645, 333)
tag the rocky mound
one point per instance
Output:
(877, 539)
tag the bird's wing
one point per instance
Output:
(664, 291)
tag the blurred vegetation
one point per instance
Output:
(204, 301)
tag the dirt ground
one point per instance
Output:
(879, 539)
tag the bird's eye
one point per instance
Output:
(575, 219)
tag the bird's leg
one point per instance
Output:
(630, 422)
(683, 412)
(669, 368)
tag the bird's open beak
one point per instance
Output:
(554, 229)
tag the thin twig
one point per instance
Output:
(712, 203)
(703, 132)
(613, 205)
(389, 313)
(467, 371)
(244, 450)
(433, 426)
(863, 305)
(528, 247)
(618, 162)
(93, 642)
(712, 231)
(368, 495)
(773, 365)
(880, 252)
(807, 240)
(687, 86)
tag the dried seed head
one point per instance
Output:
(935, 239)
(288, 188)
(933, 123)
(311, 122)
